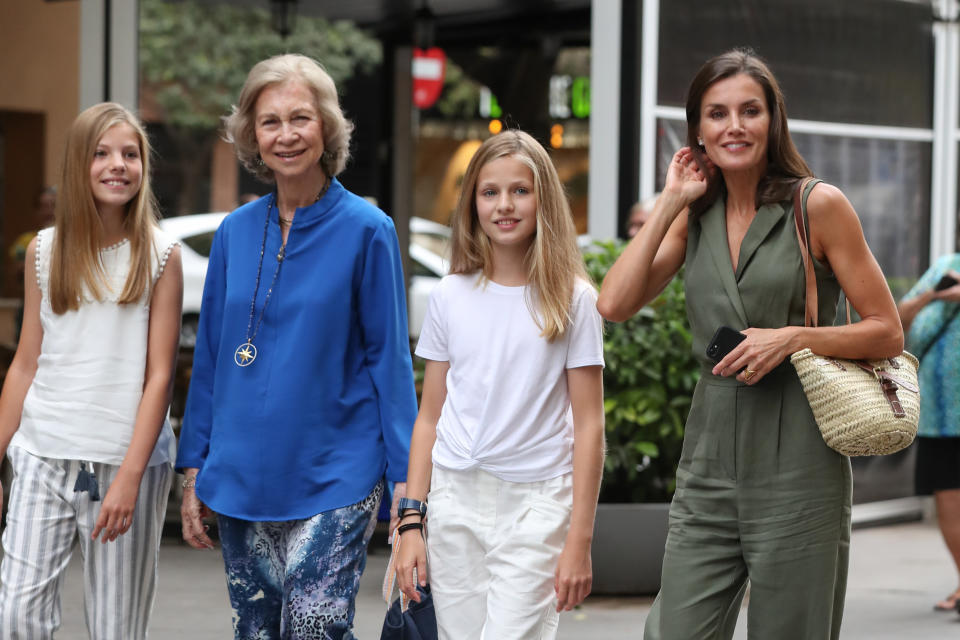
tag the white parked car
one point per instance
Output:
(195, 233)
(427, 250)
(428, 263)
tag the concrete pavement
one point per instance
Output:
(897, 572)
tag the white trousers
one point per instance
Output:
(493, 548)
(45, 518)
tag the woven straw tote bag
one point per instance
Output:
(863, 407)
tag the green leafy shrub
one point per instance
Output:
(648, 384)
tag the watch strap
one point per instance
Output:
(411, 504)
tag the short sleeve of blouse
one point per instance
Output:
(585, 347)
(433, 335)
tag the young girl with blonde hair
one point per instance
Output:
(83, 413)
(512, 409)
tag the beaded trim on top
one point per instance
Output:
(161, 264)
(115, 245)
(163, 259)
(36, 259)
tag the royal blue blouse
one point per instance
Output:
(328, 405)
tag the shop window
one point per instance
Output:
(856, 61)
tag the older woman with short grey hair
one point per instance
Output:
(302, 399)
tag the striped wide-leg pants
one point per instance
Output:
(44, 519)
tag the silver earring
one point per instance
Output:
(699, 141)
(259, 161)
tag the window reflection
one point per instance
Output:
(858, 61)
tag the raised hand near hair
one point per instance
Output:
(657, 252)
(685, 178)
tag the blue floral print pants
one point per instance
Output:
(298, 579)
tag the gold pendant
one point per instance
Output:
(245, 354)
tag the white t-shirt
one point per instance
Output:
(84, 397)
(507, 409)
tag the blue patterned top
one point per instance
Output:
(934, 337)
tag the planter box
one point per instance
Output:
(628, 542)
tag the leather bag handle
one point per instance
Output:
(888, 383)
(811, 312)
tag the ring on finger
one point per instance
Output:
(748, 373)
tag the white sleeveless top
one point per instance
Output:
(83, 401)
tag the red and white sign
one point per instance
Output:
(429, 68)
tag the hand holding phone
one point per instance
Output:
(723, 342)
(945, 282)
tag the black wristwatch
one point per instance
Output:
(407, 504)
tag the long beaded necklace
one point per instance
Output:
(246, 353)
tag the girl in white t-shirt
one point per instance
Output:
(509, 438)
(83, 412)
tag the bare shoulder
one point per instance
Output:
(173, 257)
(828, 202)
(170, 278)
(834, 226)
(32, 246)
(832, 218)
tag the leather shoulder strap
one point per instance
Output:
(811, 312)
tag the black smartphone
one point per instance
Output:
(945, 283)
(723, 342)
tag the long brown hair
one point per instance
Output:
(553, 260)
(785, 165)
(75, 267)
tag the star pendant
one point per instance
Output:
(245, 354)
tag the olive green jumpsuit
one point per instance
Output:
(759, 497)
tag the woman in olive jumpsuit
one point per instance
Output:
(760, 498)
